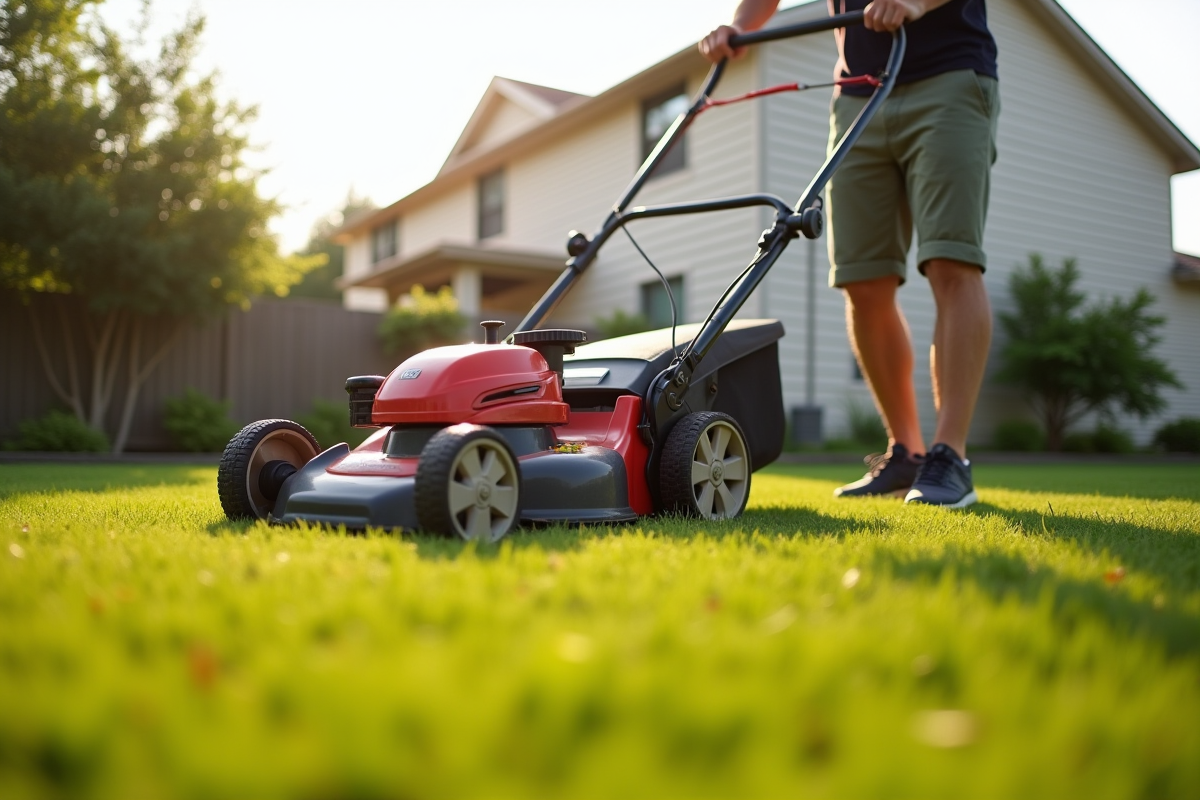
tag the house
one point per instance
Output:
(1084, 171)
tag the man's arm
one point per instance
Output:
(749, 16)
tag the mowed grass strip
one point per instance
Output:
(1045, 643)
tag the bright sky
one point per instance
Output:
(372, 94)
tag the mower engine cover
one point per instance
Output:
(493, 384)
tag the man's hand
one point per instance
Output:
(749, 16)
(715, 46)
(888, 15)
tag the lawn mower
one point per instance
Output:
(476, 439)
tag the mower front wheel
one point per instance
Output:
(705, 468)
(468, 484)
(257, 461)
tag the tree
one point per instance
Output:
(321, 283)
(122, 186)
(1070, 359)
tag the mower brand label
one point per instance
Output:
(410, 374)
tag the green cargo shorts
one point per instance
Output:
(924, 159)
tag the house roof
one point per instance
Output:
(534, 103)
(437, 265)
(1186, 269)
(563, 111)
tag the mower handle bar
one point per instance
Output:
(578, 263)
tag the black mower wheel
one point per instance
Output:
(468, 484)
(257, 461)
(705, 468)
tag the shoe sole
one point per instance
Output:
(967, 499)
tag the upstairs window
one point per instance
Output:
(656, 305)
(491, 204)
(658, 112)
(384, 241)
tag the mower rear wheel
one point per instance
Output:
(705, 468)
(257, 461)
(468, 484)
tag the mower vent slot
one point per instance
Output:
(508, 393)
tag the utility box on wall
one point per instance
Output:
(806, 425)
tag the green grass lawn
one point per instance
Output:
(1045, 643)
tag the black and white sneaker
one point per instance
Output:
(891, 473)
(944, 480)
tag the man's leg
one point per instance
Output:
(883, 346)
(962, 335)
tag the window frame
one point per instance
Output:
(490, 222)
(650, 290)
(676, 158)
(390, 242)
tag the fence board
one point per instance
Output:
(273, 360)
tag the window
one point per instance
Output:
(383, 241)
(658, 112)
(656, 305)
(491, 204)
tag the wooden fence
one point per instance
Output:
(271, 361)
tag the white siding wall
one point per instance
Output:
(506, 120)
(357, 261)
(448, 218)
(1076, 177)
(797, 129)
(586, 175)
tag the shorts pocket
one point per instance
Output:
(988, 93)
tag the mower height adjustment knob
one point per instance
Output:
(577, 243)
(552, 343)
(491, 330)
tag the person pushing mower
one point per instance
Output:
(923, 161)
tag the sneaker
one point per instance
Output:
(944, 480)
(891, 473)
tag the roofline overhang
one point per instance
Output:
(495, 261)
(1184, 154)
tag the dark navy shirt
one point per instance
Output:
(950, 37)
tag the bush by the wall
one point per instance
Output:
(1019, 435)
(621, 324)
(1180, 436)
(866, 428)
(1112, 440)
(330, 423)
(198, 424)
(1105, 439)
(422, 320)
(59, 431)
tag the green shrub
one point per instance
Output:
(1105, 439)
(198, 424)
(1109, 439)
(1180, 436)
(866, 428)
(1079, 442)
(621, 324)
(422, 320)
(59, 431)
(330, 423)
(1019, 435)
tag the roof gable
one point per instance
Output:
(507, 109)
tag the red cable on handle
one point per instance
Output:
(869, 80)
